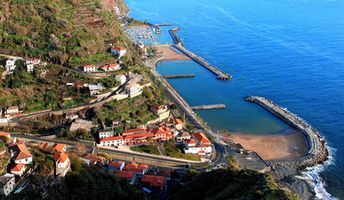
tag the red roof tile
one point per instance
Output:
(17, 167)
(157, 181)
(201, 138)
(125, 174)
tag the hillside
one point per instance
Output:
(232, 184)
(70, 32)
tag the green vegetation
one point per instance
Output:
(232, 163)
(152, 149)
(176, 151)
(4, 156)
(44, 161)
(233, 184)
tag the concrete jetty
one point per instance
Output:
(317, 153)
(220, 74)
(175, 37)
(179, 76)
(209, 107)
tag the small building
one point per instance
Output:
(141, 169)
(133, 90)
(81, 124)
(179, 124)
(72, 116)
(153, 182)
(134, 131)
(121, 78)
(116, 165)
(111, 141)
(118, 51)
(20, 154)
(12, 110)
(92, 159)
(90, 68)
(128, 175)
(161, 111)
(30, 64)
(59, 148)
(131, 166)
(106, 133)
(110, 68)
(184, 136)
(7, 184)
(95, 89)
(62, 164)
(18, 169)
(11, 64)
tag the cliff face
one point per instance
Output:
(62, 31)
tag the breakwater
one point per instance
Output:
(220, 74)
(179, 76)
(317, 152)
(208, 107)
(175, 37)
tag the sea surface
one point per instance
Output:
(290, 51)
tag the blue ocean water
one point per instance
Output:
(290, 51)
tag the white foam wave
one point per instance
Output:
(312, 176)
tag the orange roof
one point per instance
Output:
(111, 138)
(58, 147)
(132, 166)
(42, 145)
(125, 174)
(116, 164)
(201, 138)
(118, 48)
(60, 157)
(21, 150)
(114, 65)
(142, 166)
(17, 167)
(134, 131)
(191, 141)
(5, 134)
(136, 136)
(104, 67)
(178, 121)
(157, 181)
(161, 130)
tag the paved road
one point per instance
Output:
(119, 154)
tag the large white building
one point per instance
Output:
(90, 68)
(199, 144)
(112, 141)
(7, 184)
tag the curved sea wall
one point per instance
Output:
(317, 152)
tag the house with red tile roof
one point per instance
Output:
(116, 165)
(134, 131)
(62, 164)
(128, 175)
(162, 134)
(111, 141)
(140, 138)
(141, 169)
(118, 51)
(92, 159)
(20, 153)
(18, 169)
(111, 67)
(131, 166)
(57, 147)
(152, 181)
(4, 134)
(199, 145)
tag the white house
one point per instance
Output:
(30, 64)
(200, 145)
(179, 124)
(118, 51)
(90, 68)
(95, 89)
(7, 184)
(20, 154)
(162, 111)
(62, 164)
(121, 78)
(133, 90)
(112, 141)
(11, 110)
(110, 68)
(105, 133)
(11, 64)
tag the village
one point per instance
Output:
(166, 135)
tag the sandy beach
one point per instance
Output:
(271, 147)
(169, 54)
